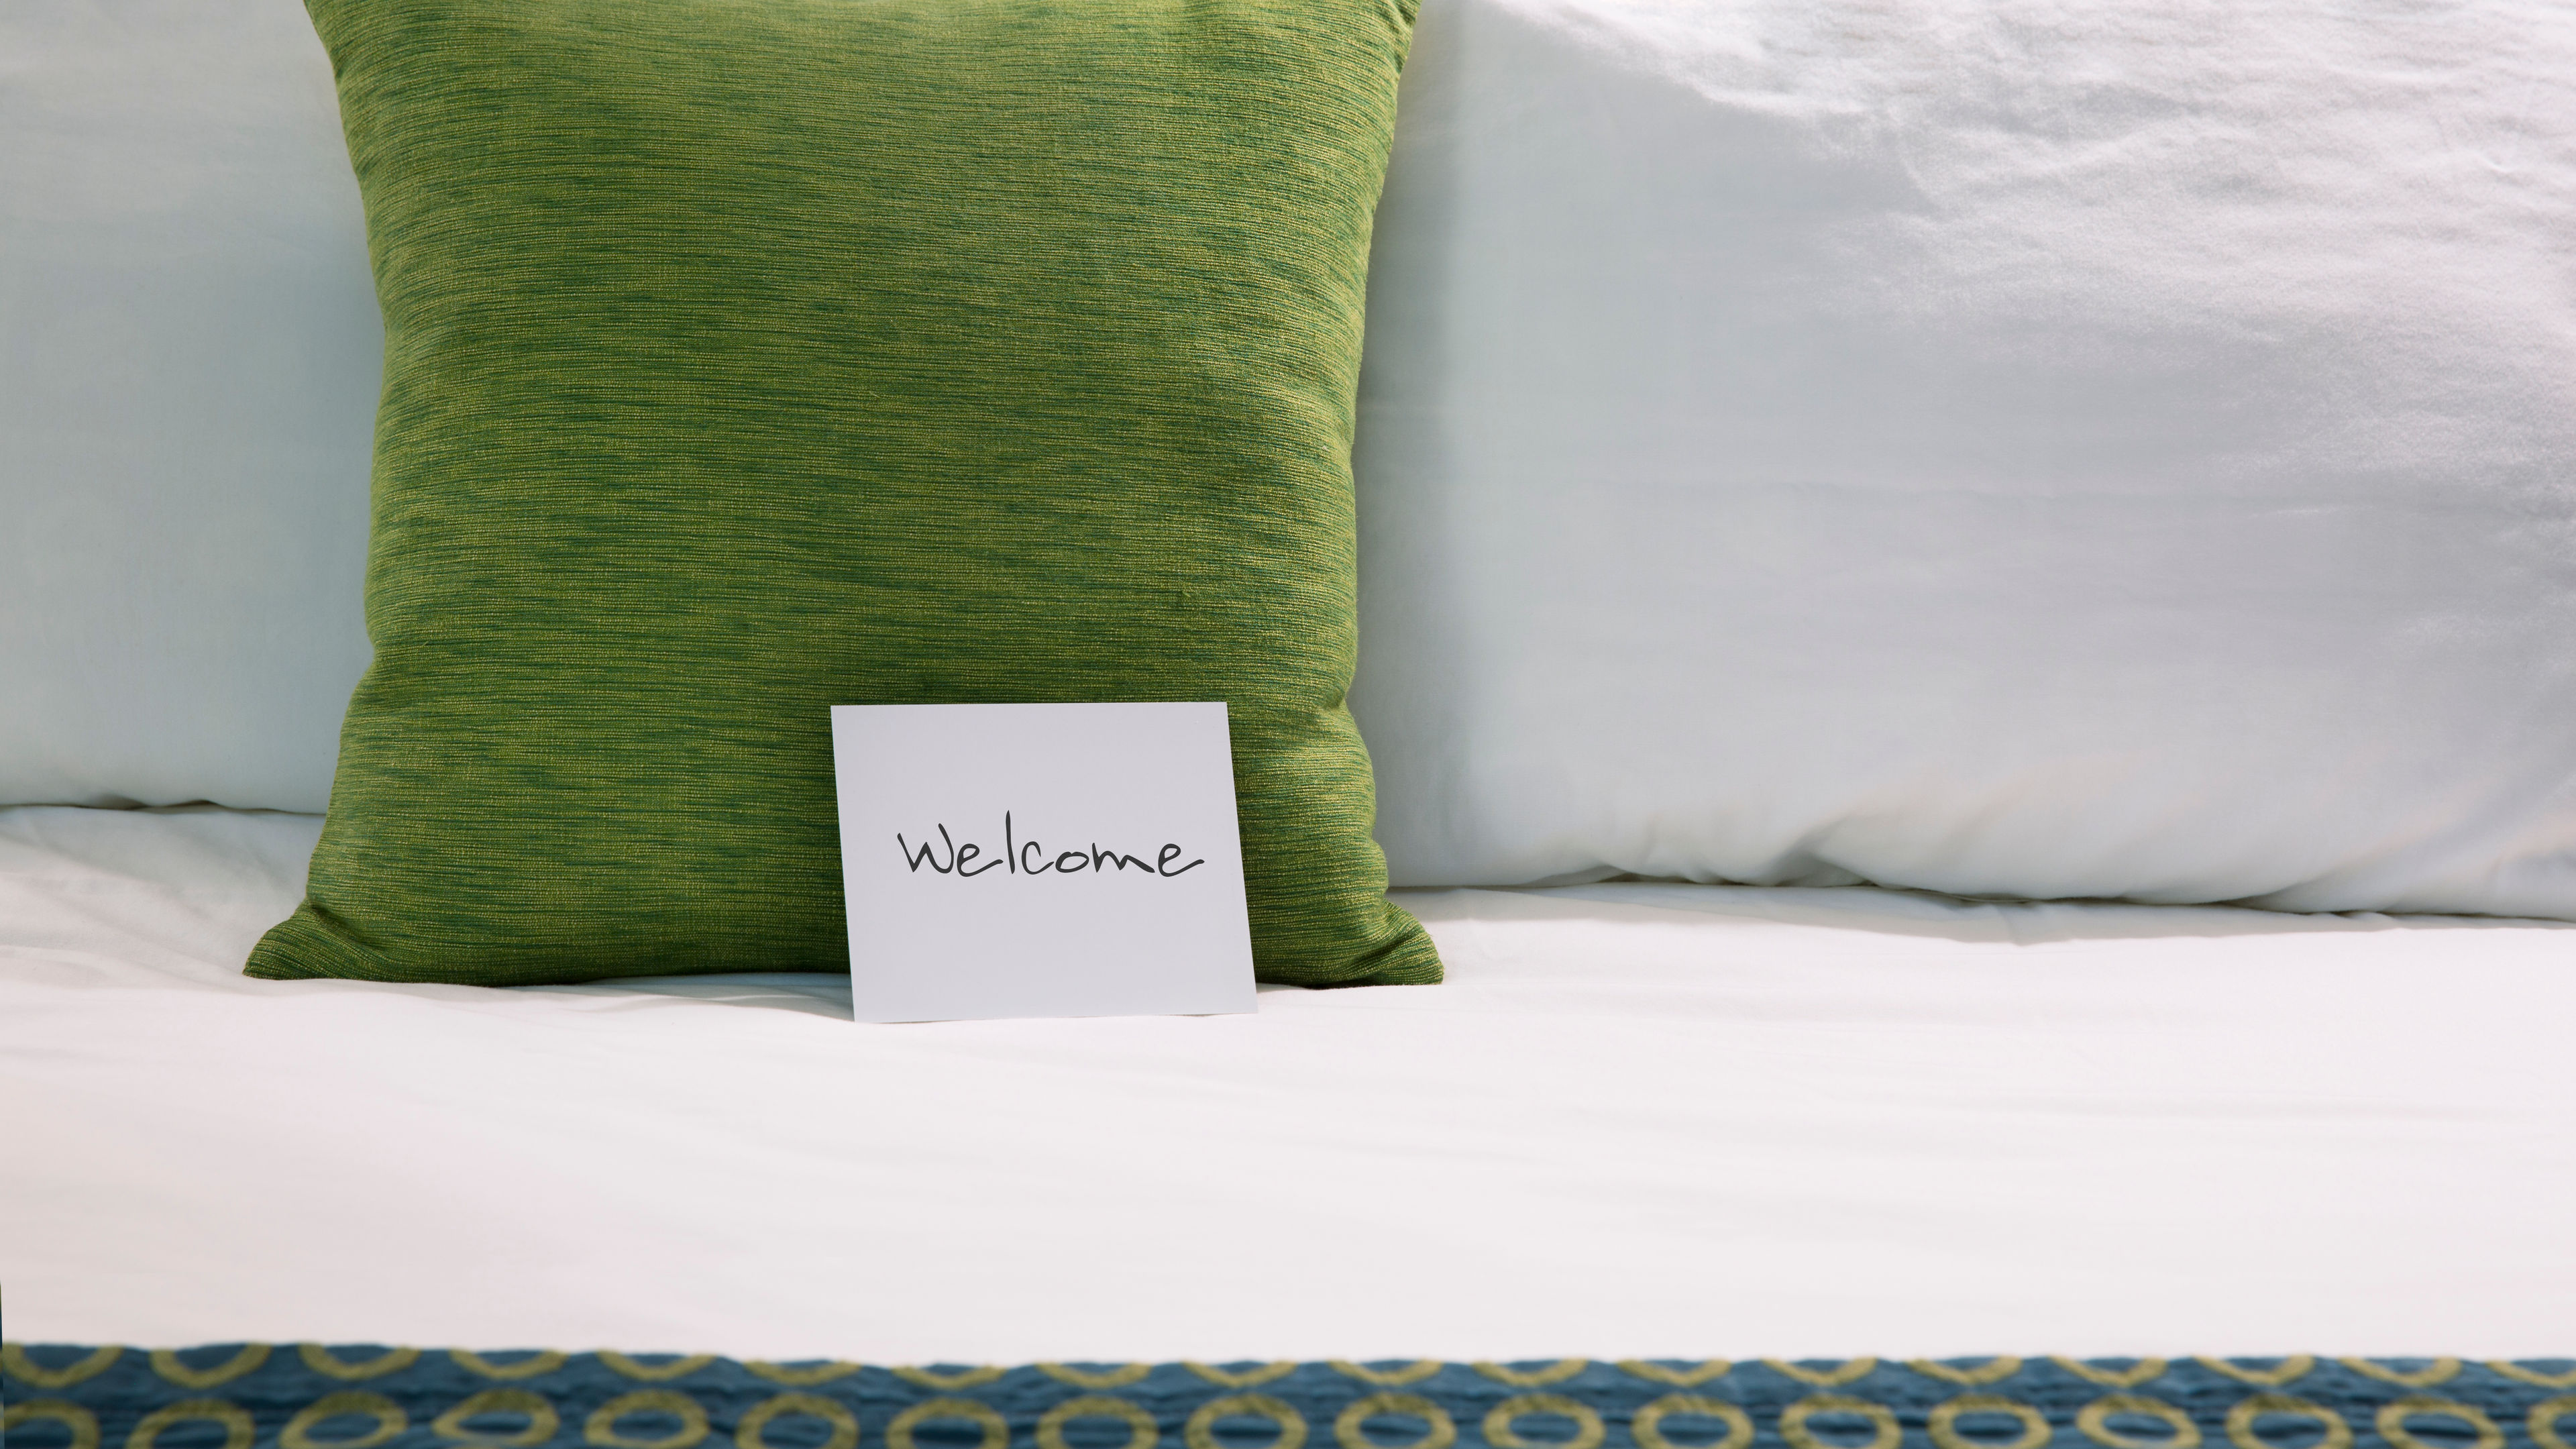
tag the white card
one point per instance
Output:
(1040, 860)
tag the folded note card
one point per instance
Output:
(1040, 860)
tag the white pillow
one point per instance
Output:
(2002, 448)
(1996, 448)
(189, 350)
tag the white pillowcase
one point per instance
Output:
(2005, 448)
(2010, 447)
(189, 349)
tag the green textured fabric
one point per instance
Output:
(747, 357)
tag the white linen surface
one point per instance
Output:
(1641, 1119)
(2017, 448)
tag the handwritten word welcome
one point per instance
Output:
(1016, 853)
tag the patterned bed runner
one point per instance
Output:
(305, 1396)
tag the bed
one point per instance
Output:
(2000, 458)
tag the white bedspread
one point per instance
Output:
(1642, 1119)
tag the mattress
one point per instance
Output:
(1641, 1119)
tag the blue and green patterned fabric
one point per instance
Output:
(305, 1396)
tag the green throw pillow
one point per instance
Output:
(747, 357)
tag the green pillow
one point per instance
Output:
(747, 357)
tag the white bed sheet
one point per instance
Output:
(1641, 1119)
